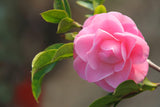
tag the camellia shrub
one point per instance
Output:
(109, 50)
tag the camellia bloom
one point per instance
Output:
(109, 50)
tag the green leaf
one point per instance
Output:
(126, 89)
(40, 66)
(66, 24)
(42, 59)
(54, 15)
(148, 85)
(105, 101)
(86, 4)
(63, 5)
(58, 4)
(116, 103)
(51, 55)
(147, 82)
(65, 51)
(70, 36)
(45, 61)
(97, 2)
(37, 79)
(88, 15)
(100, 9)
(54, 46)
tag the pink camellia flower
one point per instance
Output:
(109, 50)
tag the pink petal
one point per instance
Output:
(106, 22)
(102, 35)
(128, 46)
(119, 66)
(94, 51)
(133, 46)
(105, 85)
(127, 23)
(132, 29)
(81, 33)
(140, 51)
(124, 52)
(138, 72)
(94, 75)
(82, 45)
(140, 34)
(122, 18)
(128, 43)
(113, 45)
(79, 66)
(88, 21)
(92, 57)
(118, 77)
(84, 31)
(74, 54)
(108, 57)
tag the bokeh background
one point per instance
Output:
(23, 33)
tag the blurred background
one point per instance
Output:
(23, 33)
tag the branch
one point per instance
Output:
(153, 65)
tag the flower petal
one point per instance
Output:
(127, 23)
(79, 66)
(140, 52)
(135, 47)
(105, 85)
(118, 77)
(106, 22)
(93, 54)
(108, 57)
(102, 35)
(94, 75)
(88, 21)
(138, 72)
(128, 42)
(119, 66)
(113, 45)
(82, 45)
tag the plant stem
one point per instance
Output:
(77, 24)
(153, 65)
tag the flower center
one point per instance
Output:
(110, 52)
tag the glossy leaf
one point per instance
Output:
(41, 65)
(54, 15)
(105, 101)
(97, 2)
(65, 51)
(66, 24)
(100, 9)
(45, 61)
(70, 36)
(54, 46)
(127, 88)
(42, 59)
(86, 4)
(37, 79)
(58, 4)
(63, 5)
(148, 85)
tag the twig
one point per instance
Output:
(153, 65)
